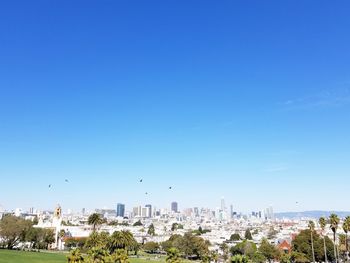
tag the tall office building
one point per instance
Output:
(149, 210)
(231, 211)
(196, 211)
(268, 213)
(223, 208)
(137, 211)
(120, 210)
(143, 212)
(174, 207)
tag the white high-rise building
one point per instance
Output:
(268, 213)
(140, 211)
(223, 208)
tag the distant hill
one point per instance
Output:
(311, 214)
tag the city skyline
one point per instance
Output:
(151, 103)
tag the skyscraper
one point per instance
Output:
(174, 207)
(231, 211)
(223, 208)
(196, 211)
(120, 210)
(149, 210)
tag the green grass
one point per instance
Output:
(14, 256)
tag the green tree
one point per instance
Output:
(48, 237)
(95, 220)
(239, 259)
(323, 222)
(301, 245)
(122, 240)
(33, 237)
(268, 250)
(151, 230)
(258, 258)
(272, 233)
(235, 237)
(174, 241)
(119, 256)
(312, 229)
(97, 240)
(342, 247)
(200, 229)
(298, 257)
(192, 245)
(39, 238)
(13, 230)
(138, 223)
(334, 222)
(151, 247)
(173, 256)
(97, 255)
(75, 256)
(174, 226)
(245, 247)
(248, 234)
(285, 258)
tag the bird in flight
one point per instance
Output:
(66, 181)
(49, 185)
(141, 180)
(146, 193)
(170, 187)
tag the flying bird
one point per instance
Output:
(49, 185)
(170, 187)
(146, 193)
(66, 181)
(141, 180)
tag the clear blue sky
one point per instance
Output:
(244, 99)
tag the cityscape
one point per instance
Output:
(153, 227)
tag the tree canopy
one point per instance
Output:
(302, 246)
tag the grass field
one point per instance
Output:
(9, 256)
(14, 256)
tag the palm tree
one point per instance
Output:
(97, 255)
(312, 228)
(173, 256)
(75, 256)
(239, 259)
(95, 220)
(120, 256)
(323, 222)
(346, 228)
(122, 240)
(334, 221)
